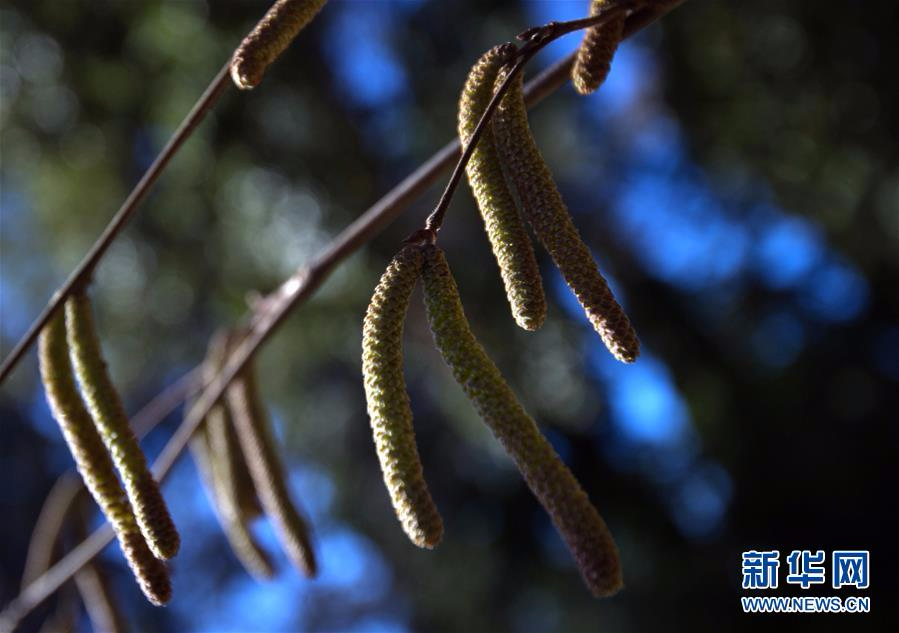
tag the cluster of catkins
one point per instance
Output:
(106, 452)
(505, 158)
(235, 452)
(234, 447)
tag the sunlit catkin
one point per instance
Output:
(505, 228)
(544, 209)
(269, 38)
(255, 436)
(594, 56)
(388, 401)
(94, 462)
(109, 417)
(578, 522)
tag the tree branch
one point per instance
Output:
(271, 311)
(85, 268)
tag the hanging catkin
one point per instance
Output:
(546, 212)
(93, 460)
(578, 522)
(505, 228)
(594, 56)
(388, 401)
(256, 441)
(269, 38)
(219, 460)
(109, 417)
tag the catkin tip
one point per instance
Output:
(594, 56)
(269, 38)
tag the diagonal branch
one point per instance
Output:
(85, 268)
(271, 311)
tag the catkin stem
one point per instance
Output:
(546, 212)
(94, 462)
(505, 228)
(270, 37)
(108, 414)
(576, 519)
(388, 400)
(255, 437)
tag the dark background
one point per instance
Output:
(737, 178)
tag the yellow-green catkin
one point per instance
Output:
(576, 519)
(254, 434)
(544, 209)
(94, 462)
(388, 400)
(505, 228)
(108, 414)
(594, 56)
(269, 38)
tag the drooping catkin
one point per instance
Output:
(594, 56)
(94, 462)
(388, 400)
(214, 461)
(254, 434)
(578, 522)
(108, 414)
(222, 465)
(269, 38)
(547, 214)
(505, 228)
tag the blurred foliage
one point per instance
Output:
(778, 376)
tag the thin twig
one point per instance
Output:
(270, 312)
(83, 271)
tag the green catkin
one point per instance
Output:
(594, 56)
(546, 212)
(108, 413)
(578, 522)
(269, 38)
(94, 462)
(505, 228)
(255, 438)
(388, 400)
